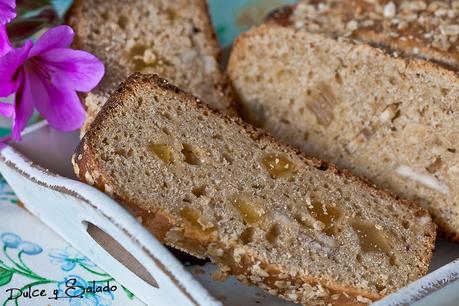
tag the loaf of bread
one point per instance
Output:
(174, 39)
(210, 185)
(371, 86)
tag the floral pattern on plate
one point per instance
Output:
(35, 261)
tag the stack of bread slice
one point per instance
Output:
(206, 182)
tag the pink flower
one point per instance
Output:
(7, 13)
(47, 76)
(5, 44)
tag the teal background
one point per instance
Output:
(225, 14)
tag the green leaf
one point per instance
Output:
(24, 27)
(24, 6)
(5, 276)
(129, 294)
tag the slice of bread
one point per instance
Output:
(370, 106)
(215, 187)
(174, 39)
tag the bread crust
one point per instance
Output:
(432, 60)
(86, 167)
(380, 39)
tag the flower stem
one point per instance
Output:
(22, 262)
(105, 280)
(92, 271)
(13, 261)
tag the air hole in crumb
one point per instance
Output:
(380, 287)
(435, 165)
(172, 14)
(405, 224)
(273, 234)
(218, 136)
(338, 78)
(451, 150)
(199, 191)
(190, 155)
(166, 115)
(445, 91)
(303, 221)
(165, 131)
(359, 258)
(228, 158)
(247, 235)
(393, 261)
(123, 22)
(105, 16)
(124, 153)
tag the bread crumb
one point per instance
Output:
(238, 253)
(108, 189)
(76, 169)
(389, 10)
(88, 177)
(364, 300)
(198, 271)
(424, 220)
(221, 274)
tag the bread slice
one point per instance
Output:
(215, 187)
(378, 110)
(174, 39)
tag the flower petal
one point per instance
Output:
(23, 108)
(57, 37)
(60, 106)
(7, 11)
(11, 240)
(74, 69)
(68, 265)
(4, 140)
(5, 45)
(10, 63)
(6, 109)
(30, 248)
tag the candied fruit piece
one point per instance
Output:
(163, 151)
(278, 166)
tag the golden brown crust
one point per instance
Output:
(416, 30)
(205, 246)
